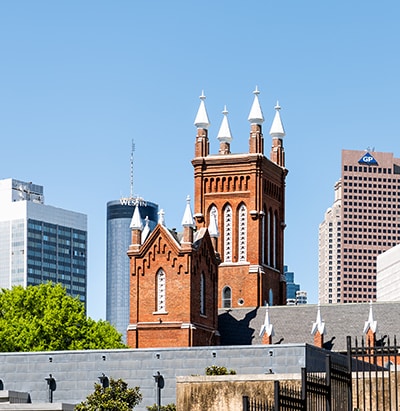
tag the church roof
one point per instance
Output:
(293, 324)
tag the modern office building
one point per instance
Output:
(362, 223)
(291, 287)
(119, 236)
(388, 275)
(40, 243)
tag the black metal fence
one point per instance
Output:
(372, 371)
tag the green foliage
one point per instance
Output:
(168, 407)
(45, 318)
(116, 397)
(216, 370)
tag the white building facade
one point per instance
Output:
(40, 243)
(388, 275)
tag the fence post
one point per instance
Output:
(350, 375)
(304, 388)
(328, 382)
(276, 396)
(245, 400)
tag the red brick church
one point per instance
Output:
(230, 252)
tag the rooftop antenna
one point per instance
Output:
(132, 152)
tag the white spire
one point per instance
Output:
(201, 120)
(187, 220)
(224, 134)
(319, 325)
(277, 129)
(146, 229)
(213, 226)
(267, 327)
(161, 217)
(370, 324)
(256, 116)
(136, 222)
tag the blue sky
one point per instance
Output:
(80, 79)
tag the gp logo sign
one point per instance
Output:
(368, 159)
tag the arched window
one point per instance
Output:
(227, 297)
(274, 233)
(161, 291)
(242, 233)
(269, 238)
(228, 234)
(202, 294)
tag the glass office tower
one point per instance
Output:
(40, 243)
(119, 215)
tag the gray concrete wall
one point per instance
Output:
(77, 371)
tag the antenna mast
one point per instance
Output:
(132, 151)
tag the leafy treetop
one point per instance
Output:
(116, 397)
(44, 318)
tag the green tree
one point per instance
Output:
(45, 318)
(168, 407)
(116, 397)
(217, 370)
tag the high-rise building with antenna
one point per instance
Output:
(119, 215)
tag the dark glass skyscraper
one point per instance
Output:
(119, 215)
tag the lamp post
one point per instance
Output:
(51, 383)
(159, 380)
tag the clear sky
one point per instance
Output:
(79, 79)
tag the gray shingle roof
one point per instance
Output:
(241, 326)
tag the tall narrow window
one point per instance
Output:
(242, 233)
(202, 294)
(228, 234)
(274, 230)
(161, 291)
(269, 238)
(227, 297)
(271, 297)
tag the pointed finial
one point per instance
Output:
(146, 229)
(277, 130)
(319, 325)
(267, 327)
(256, 116)
(213, 226)
(224, 134)
(161, 217)
(136, 222)
(370, 324)
(187, 220)
(201, 120)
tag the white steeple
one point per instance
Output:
(319, 325)
(213, 226)
(136, 221)
(201, 120)
(370, 324)
(187, 220)
(224, 134)
(256, 116)
(161, 217)
(146, 229)
(277, 130)
(267, 327)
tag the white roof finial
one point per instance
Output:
(146, 229)
(187, 220)
(319, 325)
(224, 134)
(277, 130)
(201, 120)
(161, 217)
(136, 221)
(213, 226)
(256, 116)
(267, 327)
(370, 324)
